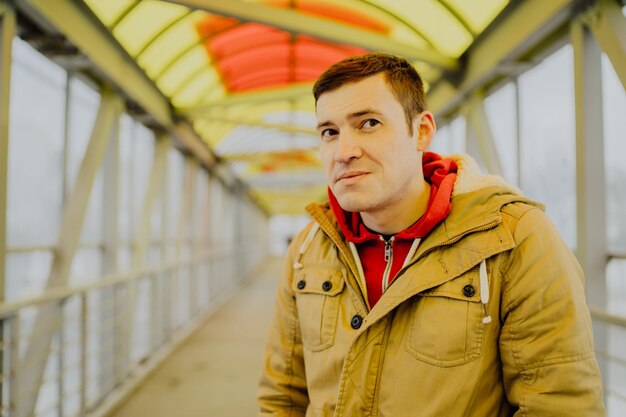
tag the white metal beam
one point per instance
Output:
(110, 246)
(590, 181)
(7, 33)
(270, 126)
(275, 94)
(608, 25)
(144, 234)
(478, 123)
(184, 218)
(49, 316)
(321, 28)
(511, 37)
(187, 138)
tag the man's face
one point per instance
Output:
(367, 151)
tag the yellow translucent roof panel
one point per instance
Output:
(435, 23)
(174, 42)
(144, 22)
(213, 132)
(205, 83)
(258, 111)
(445, 32)
(183, 68)
(478, 13)
(399, 28)
(108, 10)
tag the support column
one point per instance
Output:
(7, 33)
(478, 125)
(182, 237)
(144, 235)
(110, 227)
(590, 181)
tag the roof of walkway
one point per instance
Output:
(239, 73)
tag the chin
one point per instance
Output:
(351, 203)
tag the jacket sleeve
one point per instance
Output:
(282, 389)
(546, 342)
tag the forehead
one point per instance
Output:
(369, 93)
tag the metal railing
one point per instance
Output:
(99, 352)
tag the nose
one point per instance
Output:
(347, 148)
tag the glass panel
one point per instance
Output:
(450, 139)
(616, 291)
(26, 274)
(176, 181)
(84, 102)
(126, 220)
(83, 108)
(614, 108)
(501, 112)
(140, 344)
(71, 356)
(35, 149)
(86, 267)
(547, 142)
(141, 165)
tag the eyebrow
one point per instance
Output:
(351, 116)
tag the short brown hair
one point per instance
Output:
(404, 81)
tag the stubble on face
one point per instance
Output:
(386, 154)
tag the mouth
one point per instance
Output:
(351, 175)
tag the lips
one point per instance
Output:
(350, 174)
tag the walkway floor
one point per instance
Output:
(216, 371)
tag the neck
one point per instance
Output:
(400, 215)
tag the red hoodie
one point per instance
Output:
(378, 255)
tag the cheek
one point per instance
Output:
(326, 156)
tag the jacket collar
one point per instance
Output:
(476, 203)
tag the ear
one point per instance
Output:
(424, 127)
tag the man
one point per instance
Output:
(423, 288)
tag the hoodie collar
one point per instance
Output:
(440, 173)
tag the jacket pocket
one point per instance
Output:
(317, 298)
(445, 325)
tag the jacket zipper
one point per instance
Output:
(388, 260)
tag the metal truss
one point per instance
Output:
(49, 315)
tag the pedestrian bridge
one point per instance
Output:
(156, 156)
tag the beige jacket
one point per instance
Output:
(446, 339)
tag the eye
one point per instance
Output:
(328, 133)
(369, 123)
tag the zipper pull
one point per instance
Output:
(387, 248)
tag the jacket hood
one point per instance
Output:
(440, 173)
(485, 194)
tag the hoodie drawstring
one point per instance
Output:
(409, 255)
(359, 267)
(484, 290)
(305, 245)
